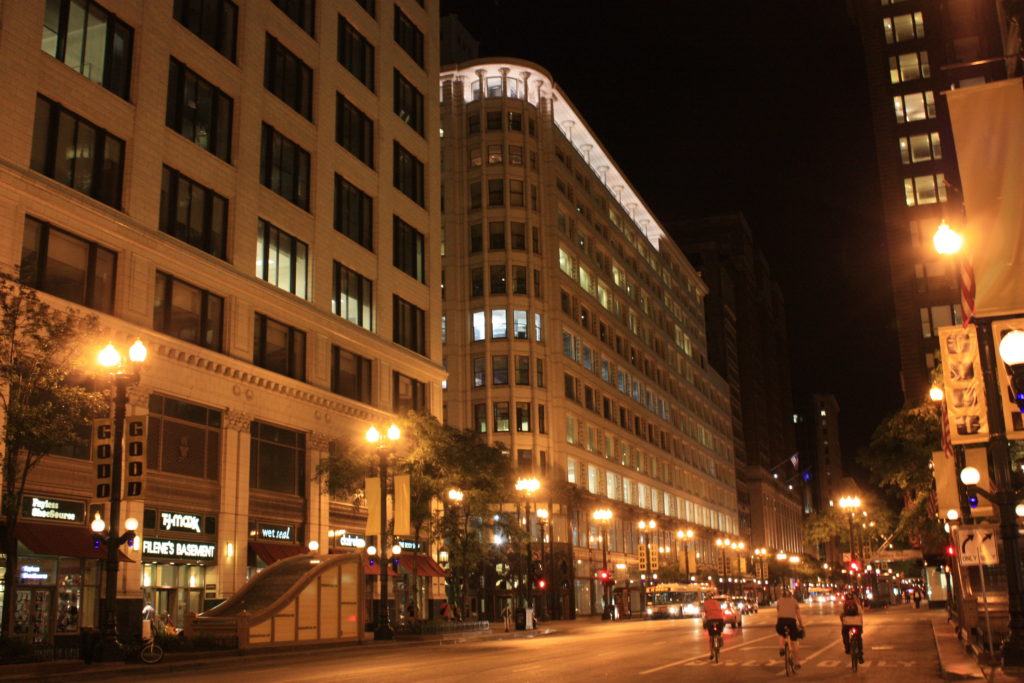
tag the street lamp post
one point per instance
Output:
(455, 497)
(542, 520)
(123, 375)
(648, 526)
(383, 629)
(528, 486)
(686, 536)
(603, 517)
(850, 504)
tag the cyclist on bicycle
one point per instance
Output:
(789, 619)
(852, 615)
(714, 621)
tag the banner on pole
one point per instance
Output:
(962, 383)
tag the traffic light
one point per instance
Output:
(542, 583)
(605, 576)
(950, 550)
(854, 566)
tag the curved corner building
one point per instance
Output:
(574, 336)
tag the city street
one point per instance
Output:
(635, 651)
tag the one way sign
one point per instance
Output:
(976, 545)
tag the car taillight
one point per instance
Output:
(728, 611)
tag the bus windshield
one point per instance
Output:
(673, 597)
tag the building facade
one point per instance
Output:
(915, 50)
(575, 337)
(817, 435)
(747, 344)
(251, 189)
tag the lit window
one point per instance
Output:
(916, 106)
(908, 67)
(479, 326)
(926, 189)
(904, 27)
(917, 148)
(499, 324)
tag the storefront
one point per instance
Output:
(270, 542)
(177, 550)
(57, 585)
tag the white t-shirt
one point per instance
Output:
(787, 608)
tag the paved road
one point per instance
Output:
(624, 651)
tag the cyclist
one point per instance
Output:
(789, 618)
(714, 621)
(852, 615)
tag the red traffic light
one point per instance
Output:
(542, 584)
(950, 550)
(854, 566)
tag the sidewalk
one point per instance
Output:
(186, 662)
(958, 660)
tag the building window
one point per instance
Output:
(501, 416)
(354, 131)
(302, 12)
(924, 147)
(408, 103)
(479, 371)
(480, 417)
(408, 250)
(408, 394)
(355, 53)
(473, 124)
(494, 117)
(77, 153)
(288, 77)
(915, 106)
(522, 417)
(540, 372)
(66, 266)
(479, 326)
(408, 36)
(353, 212)
(475, 158)
(522, 370)
(91, 40)
(518, 236)
(184, 438)
(476, 282)
(410, 328)
(925, 189)
(408, 174)
(187, 312)
(515, 193)
(475, 196)
(193, 213)
(498, 279)
(277, 459)
(496, 235)
(351, 374)
(284, 167)
(279, 348)
(369, 5)
(353, 297)
(494, 155)
(199, 111)
(519, 280)
(496, 192)
(499, 324)
(934, 317)
(214, 21)
(515, 120)
(515, 155)
(909, 67)
(476, 238)
(519, 319)
(499, 370)
(904, 27)
(281, 259)
(537, 291)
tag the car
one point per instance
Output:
(732, 613)
(745, 605)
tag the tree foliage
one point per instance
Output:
(41, 349)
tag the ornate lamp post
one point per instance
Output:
(648, 526)
(543, 517)
(383, 630)
(123, 374)
(604, 517)
(686, 536)
(850, 504)
(527, 487)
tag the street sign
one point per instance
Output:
(896, 555)
(976, 545)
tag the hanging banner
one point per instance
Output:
(401, 506)
(1013, 419)
(988, 132)
(962, 383)
(372, 492)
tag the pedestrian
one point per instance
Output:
(506, 612)
(446, 611)
(917, 598)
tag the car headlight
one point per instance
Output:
(650, 611)
(673, 610)
(690, 609)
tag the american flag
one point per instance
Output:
(947, 443)
(967, 291)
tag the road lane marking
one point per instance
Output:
(815, 654)
(703, 656)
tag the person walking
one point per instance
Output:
(506, 612)
(917, 598)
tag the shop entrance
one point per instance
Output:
(174, 590)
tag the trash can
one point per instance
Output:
(525, 619)
(89, 639)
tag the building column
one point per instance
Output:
(233, 515)
(318, 502)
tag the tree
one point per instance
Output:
(439, 458)
(41, 348)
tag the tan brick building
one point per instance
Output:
(575, 334)
(252, 189)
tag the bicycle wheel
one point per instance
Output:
(718, 647)
(151, 653)
(790, 665)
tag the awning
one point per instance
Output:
(57, 539)
(272, 552)
(420, 565)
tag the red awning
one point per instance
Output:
(272, 552)
(56, 539)
(374, 569)
(420, 565)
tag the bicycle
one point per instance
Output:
(856, 648)
(715, 633)
(788, 654)
(145, 650)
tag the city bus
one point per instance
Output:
(677, 600)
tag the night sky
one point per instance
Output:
(741, 105)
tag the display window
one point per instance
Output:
(54, 596)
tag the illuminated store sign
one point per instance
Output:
(178, 550)
(34, 507)
(31, 572)
(274, 532)
(175, 521)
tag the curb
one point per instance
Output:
(947, 653)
